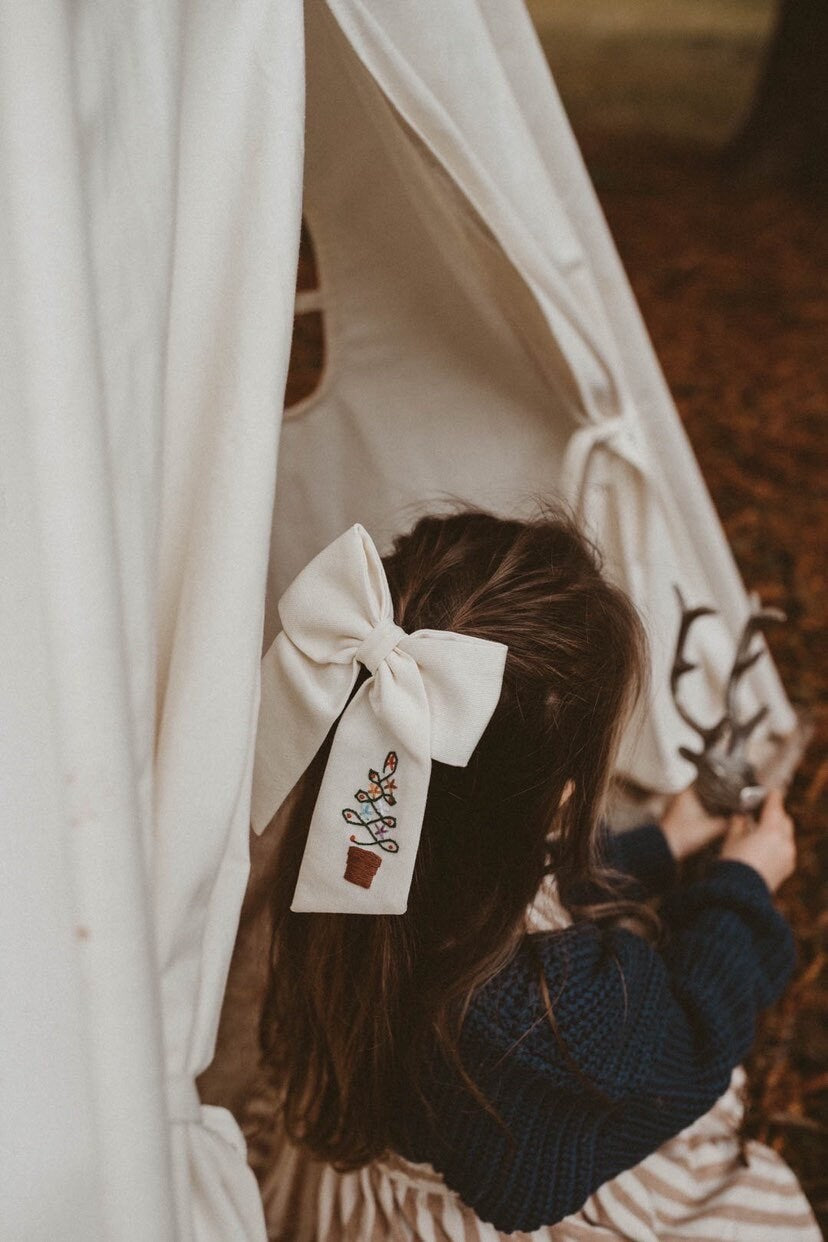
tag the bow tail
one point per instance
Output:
(363, 837)
(300, 700)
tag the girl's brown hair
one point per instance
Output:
(356, 1005)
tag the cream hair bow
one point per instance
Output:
(430, 696)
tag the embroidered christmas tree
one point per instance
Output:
(373, 819)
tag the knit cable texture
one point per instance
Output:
(647, 1041)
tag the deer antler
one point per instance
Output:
(726, 780)
(740, 730)
(681, 666)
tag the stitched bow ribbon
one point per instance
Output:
(430, 696)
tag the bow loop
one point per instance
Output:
(331, 608)
(430, 695)
(462, 677)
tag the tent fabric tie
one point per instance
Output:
(618, 433)
(183, 1103)
(184, 1108)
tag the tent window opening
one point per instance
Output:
(307, 351)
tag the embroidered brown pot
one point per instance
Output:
(362, 866)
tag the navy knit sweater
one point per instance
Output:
(651, 1038)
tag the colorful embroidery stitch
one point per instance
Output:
(362, 865)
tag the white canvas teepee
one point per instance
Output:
(482, 340)
(482, 343)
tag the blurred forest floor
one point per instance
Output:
(730, 278)
(683, 69)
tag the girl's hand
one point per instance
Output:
(768, 846)
(687, 825)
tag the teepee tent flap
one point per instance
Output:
(482, 342)
(150, 158)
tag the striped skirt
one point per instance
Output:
(704, 1184)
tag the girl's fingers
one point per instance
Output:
(774, 803)
(687, 825)
(738, 826)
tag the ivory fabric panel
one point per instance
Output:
(150, 200)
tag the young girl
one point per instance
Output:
(527, 1047)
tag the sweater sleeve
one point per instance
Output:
(644, 856)
(730, 955)
(646, 1041)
